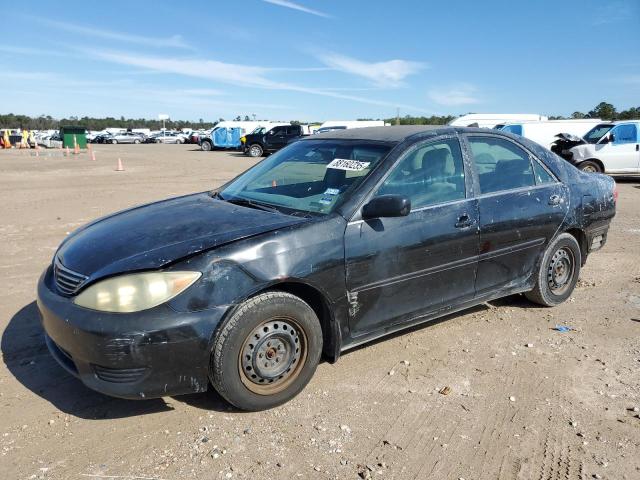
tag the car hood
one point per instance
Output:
(154, 235)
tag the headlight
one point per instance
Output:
(135, 292)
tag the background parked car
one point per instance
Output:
(50, 141)
(103, 137)
(126, 137)
(609, 147)
(169, 137)
(256, 145)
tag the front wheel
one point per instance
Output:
(179, 141)
(590, 166)
(114, 141)
(266, 352)
(136, 141)
(558, 272)
(255, 150)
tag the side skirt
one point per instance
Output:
(434, 315)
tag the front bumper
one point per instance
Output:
(146, 354)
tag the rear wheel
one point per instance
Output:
(558, 272)
(255, 150)
(179, 141)
(206, 145)
(136, 141)
(114, 141)
(266, 352)
(590, 166)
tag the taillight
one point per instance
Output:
(615, 192)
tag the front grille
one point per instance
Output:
(67, 281)
(119, 375)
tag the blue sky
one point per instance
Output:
(317, 60)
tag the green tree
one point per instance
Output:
(605, 111)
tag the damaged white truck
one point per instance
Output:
(609, 147)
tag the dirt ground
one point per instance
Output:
(525, 401)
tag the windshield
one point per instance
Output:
(258, 131)
(597, 132)
(309, 176)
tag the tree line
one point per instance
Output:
(47, 122)
(603, 110)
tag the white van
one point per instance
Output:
(545, 133)
(609, 147)
(494, 120)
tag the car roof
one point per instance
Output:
(394, 133)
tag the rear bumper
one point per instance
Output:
(146, 354)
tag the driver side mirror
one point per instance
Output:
(387, 206)
(609, 138)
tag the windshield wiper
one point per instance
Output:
(245, 202)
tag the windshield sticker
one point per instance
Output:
(332, 191)
(351, 165)
(326, 200)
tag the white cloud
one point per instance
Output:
(458, 94)
(175, 41)
(297, 6)
(229, 73)
(390, 73)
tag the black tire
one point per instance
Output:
(255, 150)
(206, 146)
(114, 141)
(558, 272)
(589, 166)
(136, 141)
(250, 336)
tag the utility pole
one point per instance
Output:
(398, 116)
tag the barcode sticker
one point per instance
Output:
(351, 165)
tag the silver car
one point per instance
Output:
(126, 137)
(170, 137)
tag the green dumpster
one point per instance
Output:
(71, 135)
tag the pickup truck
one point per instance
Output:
(609, 147)
(258, 144)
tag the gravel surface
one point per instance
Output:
(490, 393)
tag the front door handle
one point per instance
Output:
(554, 200)
(637, 146)
(465, 221)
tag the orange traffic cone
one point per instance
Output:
(120, 167)
(93, 155)
(67, 151)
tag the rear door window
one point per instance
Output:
(501, 164)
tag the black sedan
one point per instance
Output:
(334, 241)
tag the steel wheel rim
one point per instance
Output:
(272, 356)
(589, 169)
(561, 270)
(255, 151)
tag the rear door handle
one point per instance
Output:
(554, 200)
(465, 221)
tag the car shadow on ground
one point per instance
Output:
(26, 356)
